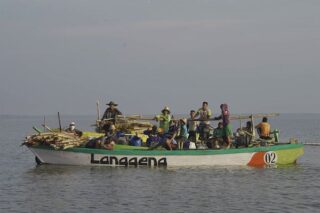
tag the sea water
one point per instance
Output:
(26, 187)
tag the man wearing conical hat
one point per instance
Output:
(111, 112)
(164, 119)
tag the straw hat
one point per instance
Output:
(112, 103)
(166, 109)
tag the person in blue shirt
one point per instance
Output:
(183, 133)
(153, 136)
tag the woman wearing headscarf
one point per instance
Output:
(227, 128)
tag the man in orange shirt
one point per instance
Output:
(264, 129)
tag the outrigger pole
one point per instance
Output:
(244, 117)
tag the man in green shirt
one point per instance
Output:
(217, 138)
(164, 119)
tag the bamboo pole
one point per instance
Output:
(253, 129)
(44, 123)
(98, 110)
(59, 122)
(37, 130)
(143, 119)
(243, 117)
(46, 127)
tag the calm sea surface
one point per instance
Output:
(25, 187)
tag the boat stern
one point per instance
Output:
(284, 155)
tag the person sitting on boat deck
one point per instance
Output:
(153, 135)
(174, 127)
(204, 114)
(111, 112)
(72, 129)
(164, 119)
(192, 126)
(105, 142)
(263, 129)
(101, 143)
(168, 140)
(227, 128)
(244, 135)
(217, 138)
(112, 133)
(207, 132)
(108, 143)
(183, 133)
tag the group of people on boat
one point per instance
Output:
(181, 133)
(184, 133)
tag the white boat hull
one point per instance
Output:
(234, 157)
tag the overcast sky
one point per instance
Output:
(257, 56)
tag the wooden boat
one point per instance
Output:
(123, 155)
(281, 154)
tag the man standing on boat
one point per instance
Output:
(264, 129)
(111, 112)
(227, 128)
(164, 119)
(204, 114)
(192, 126)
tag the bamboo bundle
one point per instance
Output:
(130, 126)
(56, 140)
(125, 124)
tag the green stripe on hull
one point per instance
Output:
(283, 150)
